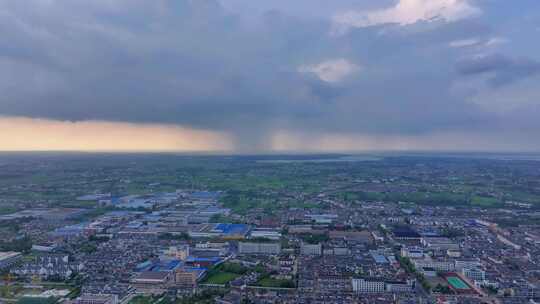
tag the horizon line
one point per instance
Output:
(271, 152)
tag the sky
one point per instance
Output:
(262, 76)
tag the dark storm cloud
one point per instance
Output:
(501, 70)
(196, 64)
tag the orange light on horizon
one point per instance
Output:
(29, 134)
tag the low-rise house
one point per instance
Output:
(49, 267)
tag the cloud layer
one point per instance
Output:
(394, 69)
(333, 71)
(406, 12)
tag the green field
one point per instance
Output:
(142, 300)
(484, 201)
(457, 283)
(221, 277)
(270, 282)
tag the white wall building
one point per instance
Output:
(259, 248)
(377, 285)
(7, 259)
(96, 299)
(311, 249)
(439, 265)
(399, 287)
(368, 285)
(412, 252)
(464, 263)
(474, 274)
(271, 234)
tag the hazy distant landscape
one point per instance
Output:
(154, 214)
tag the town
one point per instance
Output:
(109, 229)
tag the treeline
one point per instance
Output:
(409, 268)
(20, 245)
(314, 238)
(233, 268)
(177, 237)
(419, 197)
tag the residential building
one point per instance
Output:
(259, 248)
(96, 299)
(311, 249)
(474, 274)
(371, 285)
(8, 259)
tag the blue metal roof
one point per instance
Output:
(379, 258)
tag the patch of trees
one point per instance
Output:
(409, 267)
(443, 289)
(178, 237)
(88, 248)
(314, 238)
(20, 245)
(233, 268)
(98, 239)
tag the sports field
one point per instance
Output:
(457, 283)
(221, 278)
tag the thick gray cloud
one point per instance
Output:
(501, 69)
(251, 70)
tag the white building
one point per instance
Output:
(7, 259)
(453, 253)
(398, 287)
(50, 265)
(44, 247)
(259, 248)
(412, 252)
(368, 285)
(377, 285)
(507, 242)
(464, 263)
(179, 252)
(322, 218)
(271, 234)
(96, 299)
(439, 243)
(474, 274)
(311, 249)
(340, 251)
(439, 265)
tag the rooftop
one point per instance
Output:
(8, 254)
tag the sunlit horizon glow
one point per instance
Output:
(27, 134)
(30, 134)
